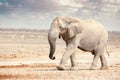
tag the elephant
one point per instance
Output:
(87, 35)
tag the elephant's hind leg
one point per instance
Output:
(97, 53)
(95, 59)
(94, 63)
(103, 62)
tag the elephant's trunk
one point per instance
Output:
(52, 44)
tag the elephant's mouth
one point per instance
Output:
(60, 35)
(63, 32)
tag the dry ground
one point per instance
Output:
(24, 56)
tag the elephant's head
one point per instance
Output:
(59, 27)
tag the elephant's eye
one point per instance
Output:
(60, 27)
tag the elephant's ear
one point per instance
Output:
(73, 31)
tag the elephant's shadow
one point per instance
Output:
(55, 69)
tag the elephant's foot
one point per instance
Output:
(60, 68)
(104, 67)
(74, 68)
(93, 67)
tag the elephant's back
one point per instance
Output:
(94, 30)
(94, 27)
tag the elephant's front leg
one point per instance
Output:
(68, 52)
(73, 62)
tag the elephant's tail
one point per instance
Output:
(107, 50)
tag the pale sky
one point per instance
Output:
(38, 14)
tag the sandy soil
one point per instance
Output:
(24, 56)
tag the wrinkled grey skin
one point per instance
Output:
(87, 35)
